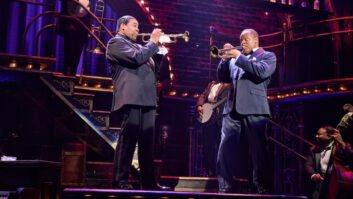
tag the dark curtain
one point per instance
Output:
(15, 16)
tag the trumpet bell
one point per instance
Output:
(214, 52)
(186, 36)
(172, 38)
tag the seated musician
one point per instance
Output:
(211, 129)
(325, 161)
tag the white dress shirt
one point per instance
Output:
(325, 157)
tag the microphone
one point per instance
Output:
(212, 34)
(212, 30)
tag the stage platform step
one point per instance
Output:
(77, 193)
(200, 184)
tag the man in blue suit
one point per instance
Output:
(134, 98)
(246, 111)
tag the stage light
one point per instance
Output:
(42, 66)
(29, 66)
(316, 90)
(13, 64)
(329, 89)
(172, 93)
(343, 88)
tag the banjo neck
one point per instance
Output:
(219, 102)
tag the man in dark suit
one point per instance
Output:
(246, 111)
(325, 169)
(134, 97)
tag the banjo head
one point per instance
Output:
(208, 112)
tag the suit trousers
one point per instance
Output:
(138, 127)
(74, 42)
(236, 128)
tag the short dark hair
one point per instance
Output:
(329, 130)
(123, 20)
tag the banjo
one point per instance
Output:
(210, 111)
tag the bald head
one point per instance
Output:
(250, 31)
(249, 39)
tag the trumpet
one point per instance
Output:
(166, 38)
(216, 52)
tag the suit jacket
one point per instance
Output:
(313, 166)
(250, 91)
(132, 71)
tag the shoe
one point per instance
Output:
(225, 191)
(124, 186)
(261, 190)
(159, 188)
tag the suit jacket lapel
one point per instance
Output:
(317, 161)
(128, 42)
(257, 53)
(136, 46)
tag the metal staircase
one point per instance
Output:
(81, 97)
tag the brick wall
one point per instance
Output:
(190, 61)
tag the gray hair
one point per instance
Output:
(123, 20)
(250, 31)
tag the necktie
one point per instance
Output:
(248, 54)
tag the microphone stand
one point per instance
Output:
(212, 32)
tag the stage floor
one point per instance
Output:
(76, 193)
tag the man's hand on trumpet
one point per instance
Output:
(231, 53)
(155, 35)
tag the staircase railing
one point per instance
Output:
(58, 15)
(287, 131)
